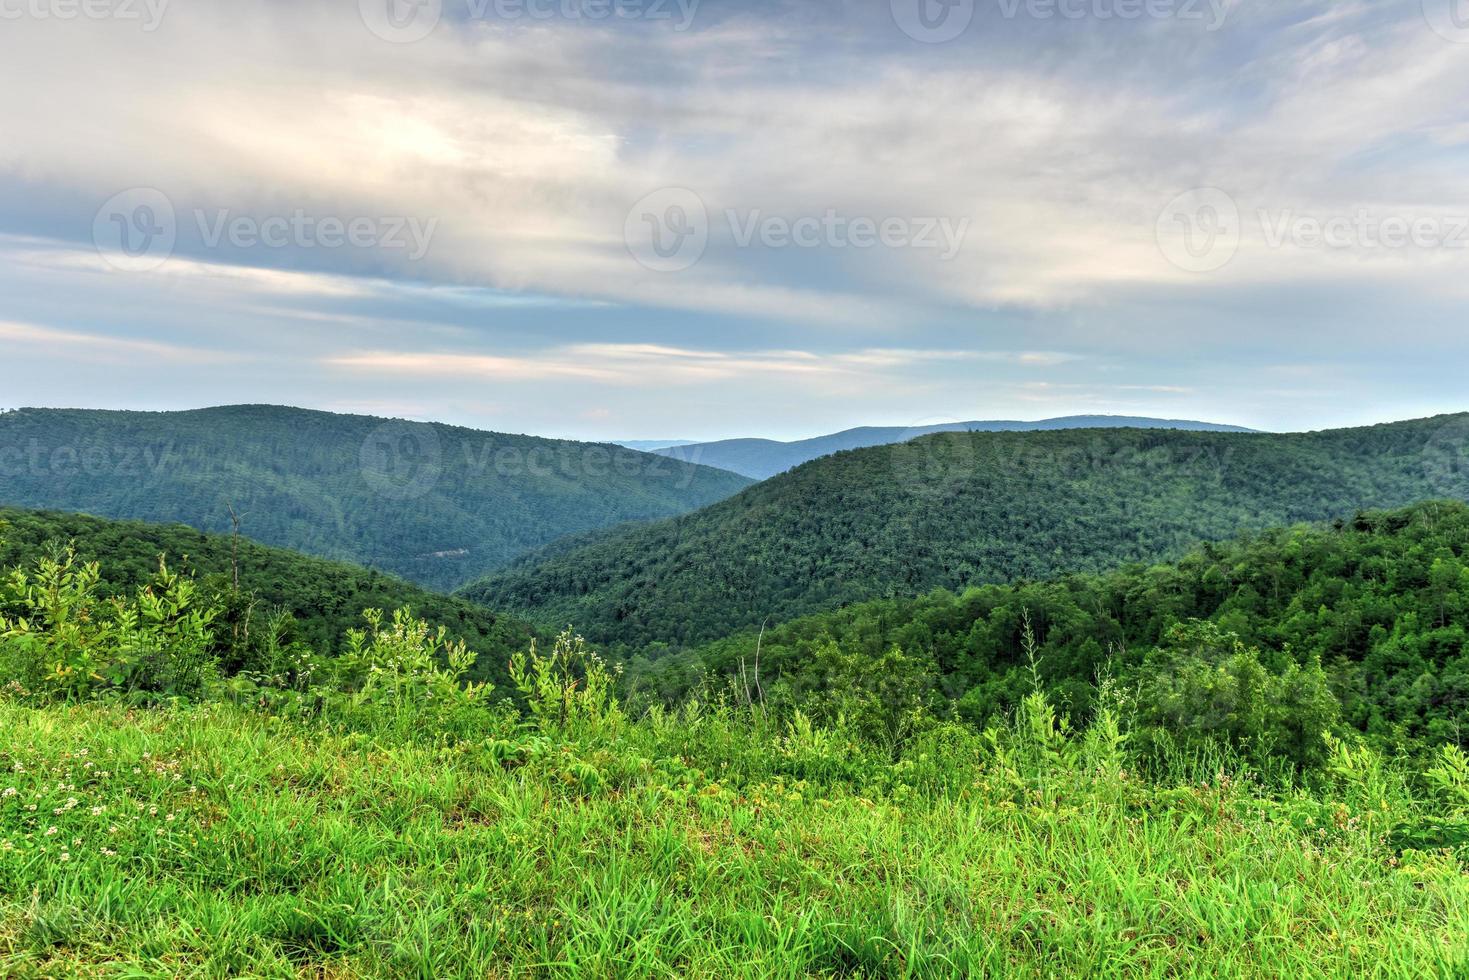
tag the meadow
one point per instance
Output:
(217, 841)
(374, 813)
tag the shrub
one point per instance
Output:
(1206, 686)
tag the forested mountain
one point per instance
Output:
(960, 509)
(324, 598)
(761, 459)
(1380, 600)
(436, 504)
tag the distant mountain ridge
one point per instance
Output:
(760, 459)
(437, 504)
(957, 509)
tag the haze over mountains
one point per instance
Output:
(964, 508)
(761, 459)
(440, 505)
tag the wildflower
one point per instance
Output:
(108, 852)
(9, 792)
(51, 831)
(65, 856)
(96, 811)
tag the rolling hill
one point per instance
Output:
(761, 459)
(959, 509)
(326, 598)
(1380, 599)
(437, 504)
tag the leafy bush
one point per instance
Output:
(58, 640)
(1206, 685)
(405, 678)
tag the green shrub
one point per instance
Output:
(1207, 686)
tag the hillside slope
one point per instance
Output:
(436, 504)
(1382, 600)
(960, 509)
(326, 598)
(761, 459)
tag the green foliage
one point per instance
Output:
(406, 679)
(288, 607)
(1206, 685)
(59, 640)
(568, 691)
(437, 504)
(962, 509)
(1357, 600)
(886, 699)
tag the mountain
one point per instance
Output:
(326, 598)
(650, 445)
(760, 459)
(959, 509)
(437, 504)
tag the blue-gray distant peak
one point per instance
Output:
(761, 459)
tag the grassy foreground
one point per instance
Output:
(216, 841)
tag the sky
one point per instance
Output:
(699, 219)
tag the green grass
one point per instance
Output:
(211, 841)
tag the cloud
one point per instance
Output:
(101, 349)
(644, 364)
(1060, 142)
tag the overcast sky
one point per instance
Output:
(712, 219)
